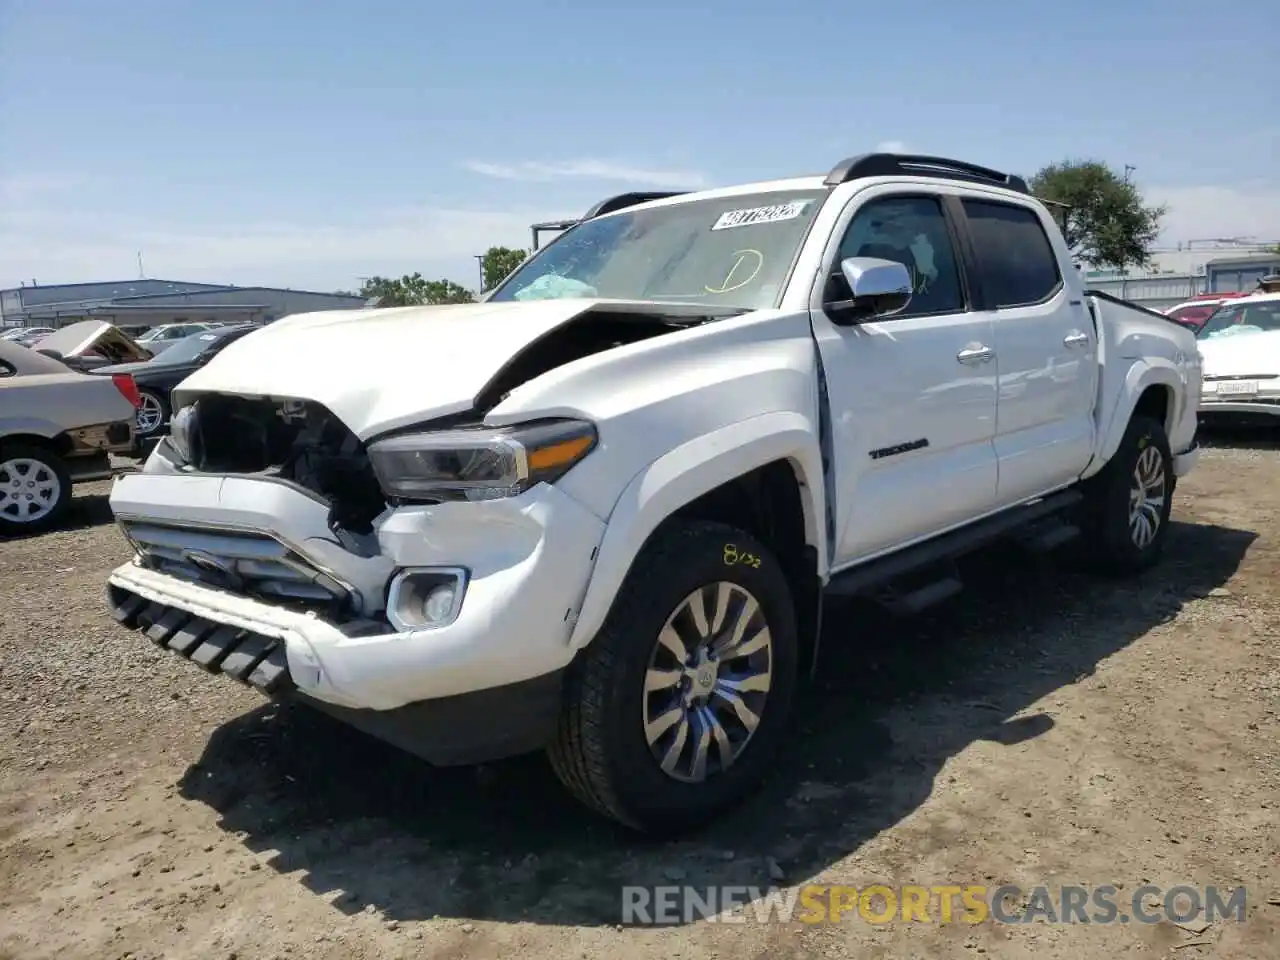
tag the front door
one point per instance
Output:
(912, 396)
(1046, 350)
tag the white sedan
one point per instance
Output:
(1240, 350)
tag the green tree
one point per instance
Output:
(1108, 224)
(497, 264)
(413, 290)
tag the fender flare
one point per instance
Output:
(1141, 375)
(681, 476)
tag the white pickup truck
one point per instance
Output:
(598, 513)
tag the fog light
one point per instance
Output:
(439, 602)
(426, 598)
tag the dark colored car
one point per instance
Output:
(156, 378)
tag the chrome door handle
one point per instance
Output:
(1075, 339)
(975, 354)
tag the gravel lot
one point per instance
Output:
(1042, 728)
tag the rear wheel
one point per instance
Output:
(681, 701)
(1127, 504)
(153, 411)
(35, 488)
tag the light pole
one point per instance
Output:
(1128, 169)
(480, 263)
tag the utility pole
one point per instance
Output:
(141, 273)
(480, 262)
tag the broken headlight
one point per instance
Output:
(479, 464)
(182, 433)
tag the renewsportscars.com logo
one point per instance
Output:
(942, 903)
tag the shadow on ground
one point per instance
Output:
(367, 825)
(1258, 433)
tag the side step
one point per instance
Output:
(878, 573)
(921, 598)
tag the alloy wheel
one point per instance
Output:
(708, 682)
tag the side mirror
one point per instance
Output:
(877, 288)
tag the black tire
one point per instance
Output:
(10, 453)
(162, 402)
(1109, 544)
(601, 753)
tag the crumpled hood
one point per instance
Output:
(380, 369)
(1240, 354)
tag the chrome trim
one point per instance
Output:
(461, 575)
(165, 541)
(243, 528)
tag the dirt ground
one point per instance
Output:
(1043, 728)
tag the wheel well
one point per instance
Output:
(61, 444)
(1154, 403)
(766, 503)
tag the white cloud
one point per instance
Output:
(1250, 210)
(588, 169)
(891, 146)
(57, 246)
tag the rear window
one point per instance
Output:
(1019, 267)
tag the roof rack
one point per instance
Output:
(624, 200)
(914, 165)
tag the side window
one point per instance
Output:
(911, 231)
(1017, 261)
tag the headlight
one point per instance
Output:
(181, 432)
(486, 463)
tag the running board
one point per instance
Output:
(877, 573)
(922, 598)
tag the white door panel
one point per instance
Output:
(1046, 350)
(1044, 424)
(912, 397)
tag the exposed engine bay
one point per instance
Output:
(294, 440)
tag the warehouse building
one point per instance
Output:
(1180, 273)
(147, 303)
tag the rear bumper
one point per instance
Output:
(462, 729)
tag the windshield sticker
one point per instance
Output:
(754, 215)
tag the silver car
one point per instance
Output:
(57, 428)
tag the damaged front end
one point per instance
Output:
(292, 441)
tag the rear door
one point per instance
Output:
(1045, 344)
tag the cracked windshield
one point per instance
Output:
(733, 252)
(719, 480)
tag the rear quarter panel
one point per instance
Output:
(47, 405)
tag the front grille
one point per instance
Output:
(1211, 399)
(249, 564)
(251, 658)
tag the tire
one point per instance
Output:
(1114, 542)
(153, 405)
(31, 475)
(602, 752)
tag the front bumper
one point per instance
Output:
(464, 729)
(529, 559)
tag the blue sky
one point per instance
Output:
(310, 143)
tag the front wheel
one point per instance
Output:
(681, 701)
(1127, 504)
(35, 489)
